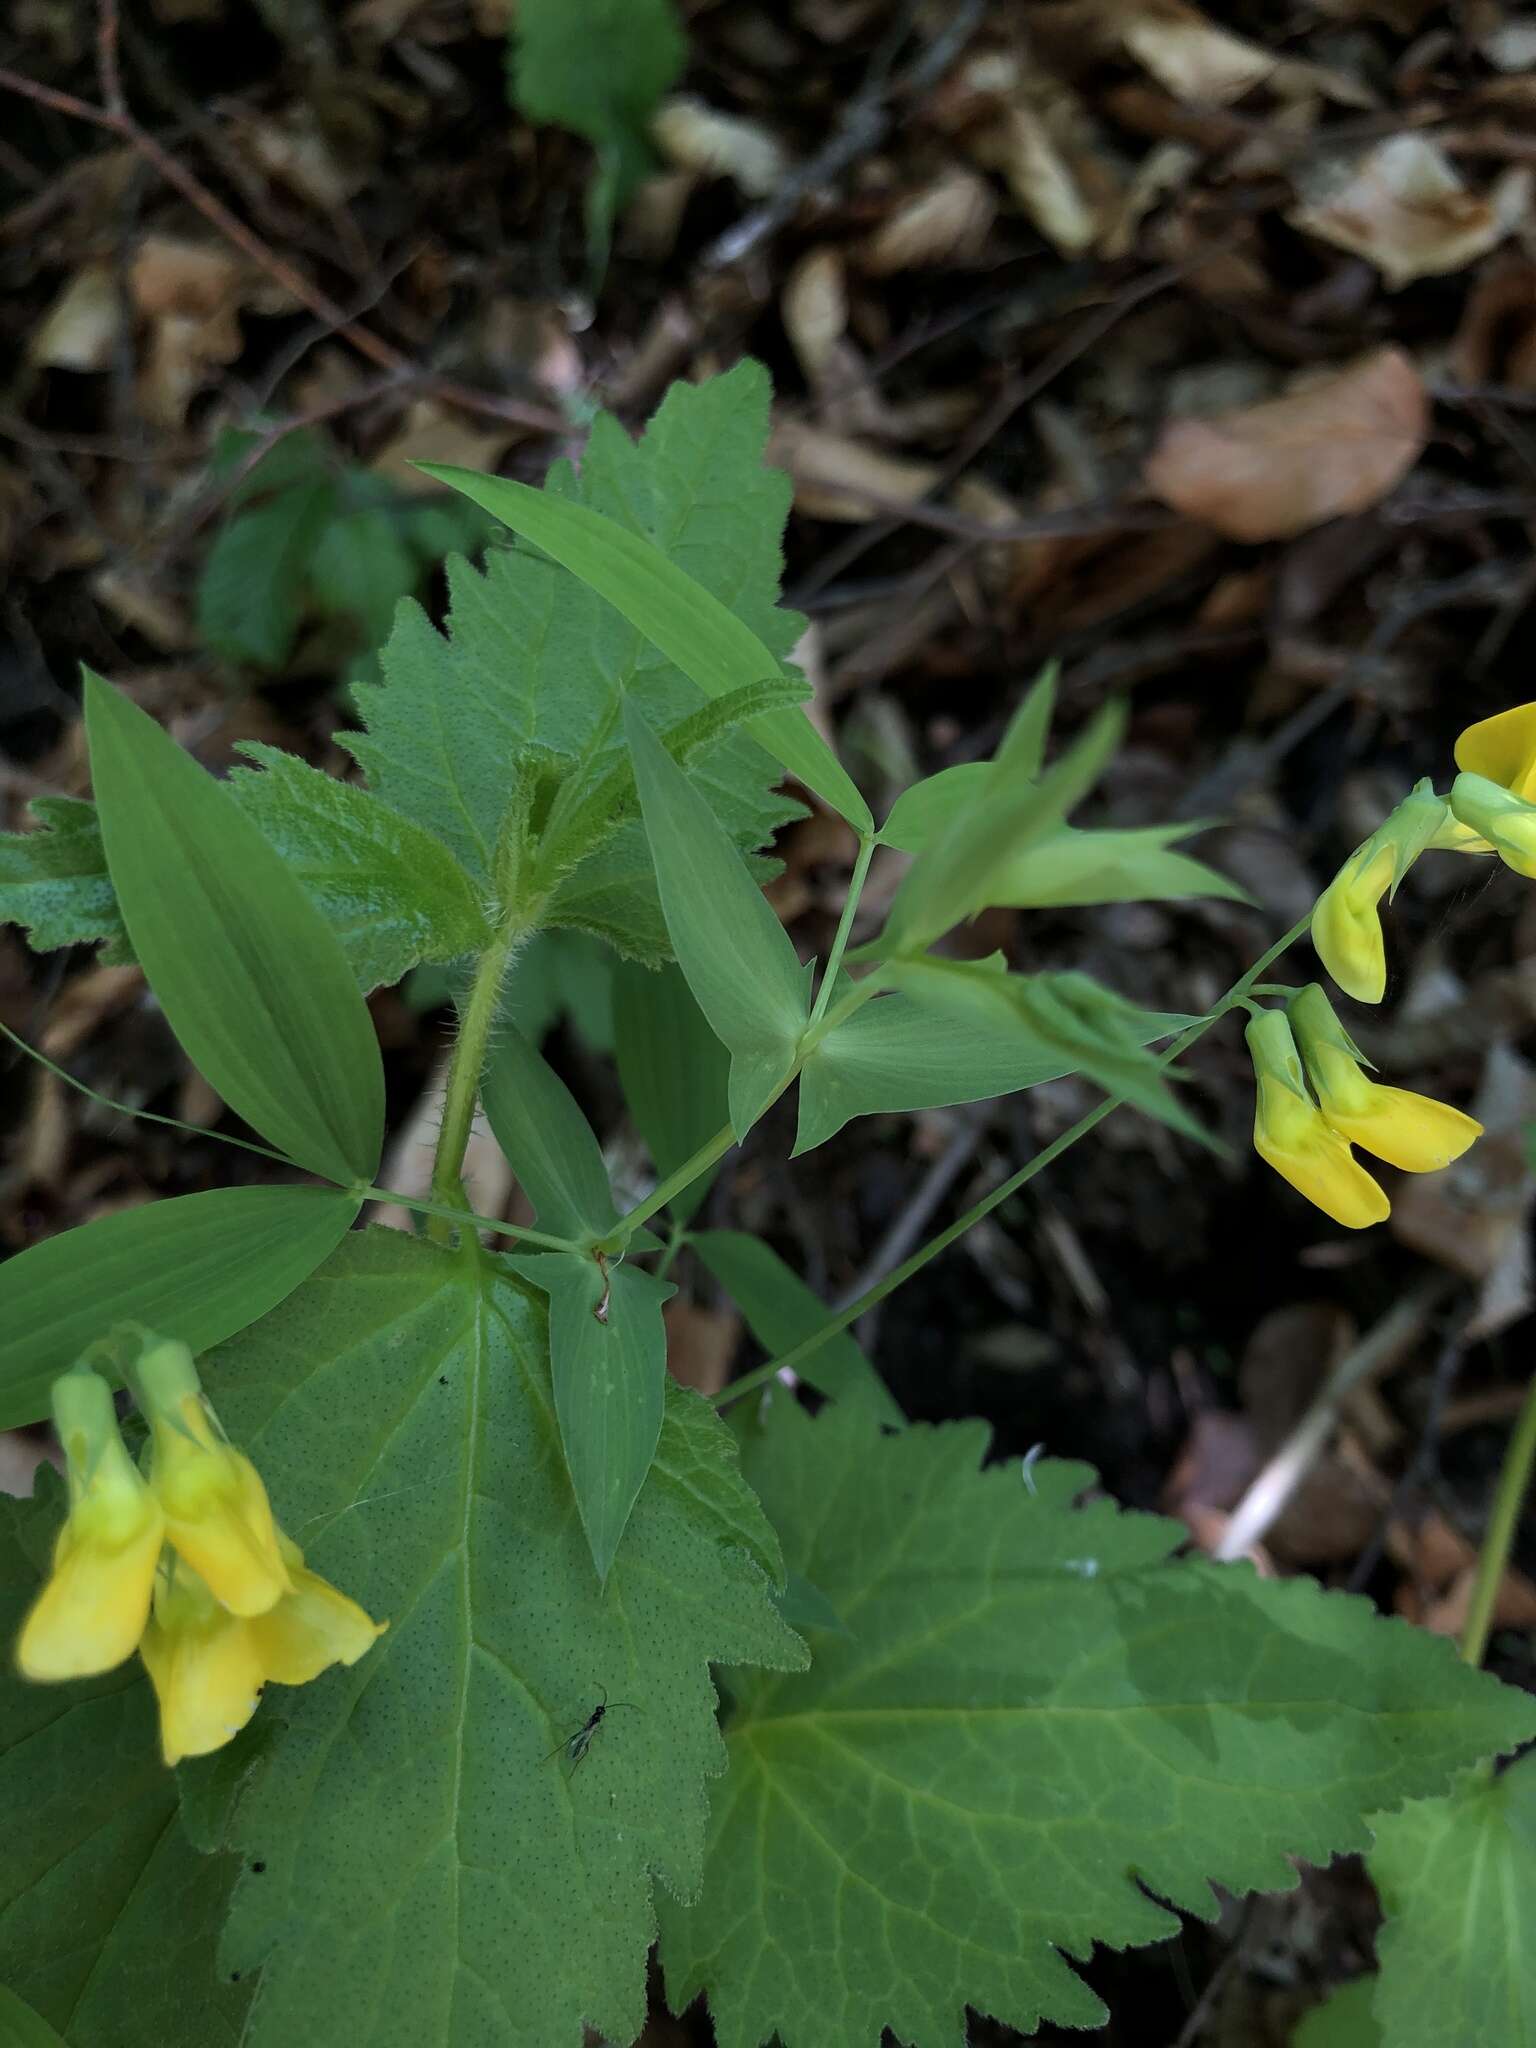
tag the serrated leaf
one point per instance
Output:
(1457, 1878)
(1038, 1728)
(197, 1267)
(55, 881)
(781, 1312)
(1343, 2020)
(108, 1917)
(392, 892)
(250, 976)
(534, 658)
(250, 596)
(736, 956)
(674, 1072)
(608, 1364)
(548, 1142)
(647, 583)
(599, 67)
(427, 1878)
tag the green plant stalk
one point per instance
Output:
(463, 1090)
(1493, 1558)
(455, 1212)
(931, 1250)
(844, 924)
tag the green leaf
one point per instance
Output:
(427, 1877)
(547, 1141)
(251, 978)
(360, 567)
(674, 1072)
(781, 1311)
(678, 615)
(533, 659)
(805, 1606)
(959, 869)
(55, 880)
(599, 67)
(1038, 1728)
(1457, 1878)
(1343, 2020)
(108, 1917)
(197, 1267)
(737, 957)
(20, 2026)
(1109, 867)
(392, 893)
(931, 806)
(608, 1353)
(250, 597)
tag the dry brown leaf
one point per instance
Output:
(696, 137)
(814, 308)
(1269, 471)
(1404, 209)
(944, 226)
(1496, 340)
(189, 295)
(81, 326)
(431, 434)
(827, 470)
(701, 1343)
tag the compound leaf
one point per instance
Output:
(1457, 1878)
(197, 1267)
(108, 1917)
(1036, 1727)
(427, 1876)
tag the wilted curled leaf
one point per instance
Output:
(696, 137)
(945, 224)
(1269, 471)
(1405, 209)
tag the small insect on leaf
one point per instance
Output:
(576, 1746)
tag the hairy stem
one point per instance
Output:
(464, 1070)
(1492, 1559)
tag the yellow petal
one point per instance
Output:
(206, 1669)
(217, 1514)
(1346, 927)
(315, 1626)
(1504, 749)
(1291, 1136)
(91, 1613)
(1410, 1131)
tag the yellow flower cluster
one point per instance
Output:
(1315, 1101)
(188, 1566)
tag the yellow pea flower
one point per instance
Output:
(1502, 749)
(217, 1515)
(312, 1627)
(1502, 817)
(1291, 1134)
(1413, 1132)
(204, 1662)
(1346, 924)
(92, 1611)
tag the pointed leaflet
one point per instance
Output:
(198, 1267)
(1036, 1728)
(20, 2026)
(677, 614)
(248, 972)
(427, 1878)
(736, 956)
(108, 1918)
(534, 659)
(1457, 1878)
(674, 1071)
(548, 1142)
(781, 1311)
(608, 1363)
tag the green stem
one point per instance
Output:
(455, 1212)
(463, 1090)
(1493, 1558)
(904, 1272)
(714, 1148)
(845, 925)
